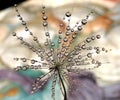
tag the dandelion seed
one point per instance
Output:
(59, 61)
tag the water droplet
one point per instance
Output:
(32, 92)
(14, 34)
(26, 28)
(68, 28)
(35, 38)
(52, 44)
(38, 79)
(79, 28)
(106, 51)
(93, 61)
(23, 23)
(43, 12)
(33, 61)
(46, 43)
(99, 63)
(45, 23)
(98, 36)
(72, 30)
(61, 25)
(90, 48)
(97, 51)
(74, 36)
(88, 40)
(47, 33)
(69, 60)
(89, 55)
(76, 59)
(66, 53)
(79, 57)
(67, 33)
(43, 7)
(83, 46)
(65, 39)
(16, 59)
(31, 33)
(60, 32)
(44, 17)
(24, 59)
(84, 21)
(24, 68)
(59, 41)
(68, 14)
(93, 38)
(103, 49)
(20, 18)
(49, 54)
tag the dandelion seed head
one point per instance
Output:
(60, 61)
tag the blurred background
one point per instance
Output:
(105, 20)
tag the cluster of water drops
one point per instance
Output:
(62, 60)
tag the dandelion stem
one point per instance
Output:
(65, 93)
